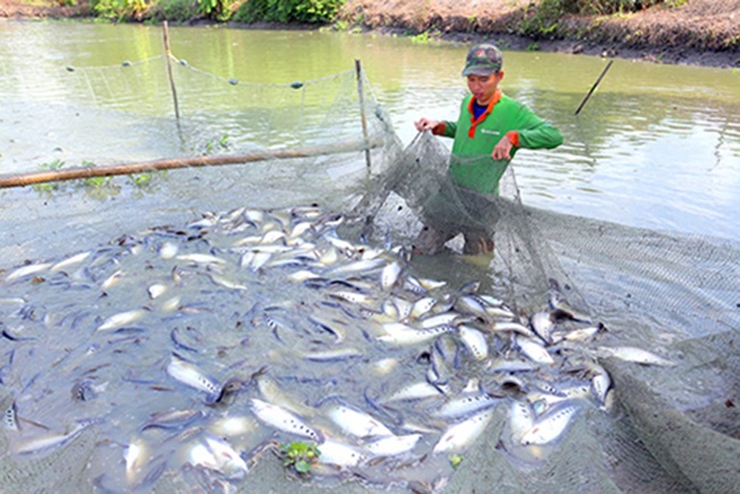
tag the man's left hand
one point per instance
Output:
(502, 149)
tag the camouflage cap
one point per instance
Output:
(484, 59)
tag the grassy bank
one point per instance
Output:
(704, 32)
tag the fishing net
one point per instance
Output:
(88, 343)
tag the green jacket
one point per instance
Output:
(472, 166)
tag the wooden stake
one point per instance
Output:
(593, 88)
(358, 69)
(24, 179)
(169, 70)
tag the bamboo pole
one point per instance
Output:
(360, 90)
(23, 179)
(593, 88)
(169, 69)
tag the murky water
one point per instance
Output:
(656, 147)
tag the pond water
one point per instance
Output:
(656, 147)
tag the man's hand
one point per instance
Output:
(426, 124)
(502, 149)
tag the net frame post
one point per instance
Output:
(361, 92)
(168, 54)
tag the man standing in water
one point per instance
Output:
(489, 131)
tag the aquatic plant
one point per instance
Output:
(299, 457)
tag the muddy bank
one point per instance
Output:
(702, 32)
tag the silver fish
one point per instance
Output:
(28, 270)
(232, 426)
(218, 455)
(461, 435)
(509, 326)
(543, 324)
(43, 443)
(112, 280)
(549, 427)
(533, 350)
(466, 404)
(168, 250)
(70, 261)
(283, 420)
(414, 391)
(357, 423)
(156, 290)
(638, 355)
(474, 341)
(121, 319)
(336, 453)
(190, 375)
(585, 333)
(393, 445)
(200, 258)
(390, 274)
(521, 419)
(414, 336)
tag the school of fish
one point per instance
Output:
(193, 348)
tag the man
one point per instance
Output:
(489, 131)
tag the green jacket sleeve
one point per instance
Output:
(535, 133)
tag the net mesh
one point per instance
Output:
(671, 430)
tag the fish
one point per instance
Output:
(333, 355)
(459, 436)
(474, 341)
(534, 350)
(70, 261)
(584, 333)
(283, 420)
(438, 320)
(510, 326)
(357, 423)
(225, 282)
(216, 454)
(422, 306)
(43, 443)
(232, 426)
(171, 419)
(337, 453)
(28, 270)
(521, 419)
(135, 456)
(414, 336)
(543, 324)
(168, 250)
(112, 280)
(156, 290)
(121, 319)
(466, 404)
(510, 366)
(190, 375)
(393, 445)
(10, 418)
(601, 383)
(271, 392)
(200, 258)
(637, 355)
(414, 391)
(549, 427)
(390, 274)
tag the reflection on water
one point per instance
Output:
(656, 146)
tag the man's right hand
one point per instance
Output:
(426, 124)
